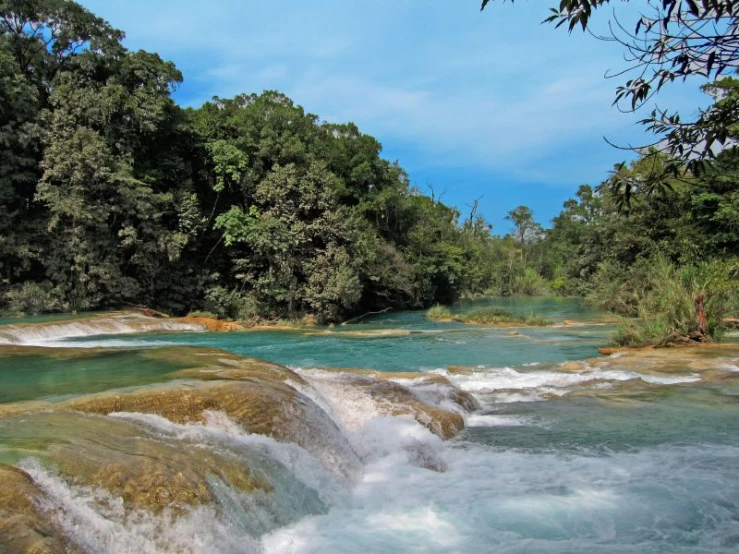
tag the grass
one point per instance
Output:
(486, 316)
(535, 320)
(439, 312)
(279, 323)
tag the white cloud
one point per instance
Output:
(457, 88)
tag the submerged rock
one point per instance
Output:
(130, 461)
(650, 360)
(460, 370)
(115, 323)
(152, 474)
(143, 449)
(395, 399)
(367, 333)
(574, 366)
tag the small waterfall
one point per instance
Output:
(137, 481)
(216, 453)
(48, 334)
(95, 521)
(384, 416)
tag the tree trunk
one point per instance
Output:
(700, 311)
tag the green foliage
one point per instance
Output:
(250, 208)
(665, 299)
(498, 316)
(490, 315)
(229, 164)
(33, 298)
(536, 320)
(485, 316)
(238, 226)
(201, 313)
(439, 312)
(231, 304)
(526, 229)
(529, 283)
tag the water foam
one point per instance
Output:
(478, 498)
(659, 500)
(97, 522)
(492, 420)
(220, 431)
(555, 383)
(54, 334)
(371, 432)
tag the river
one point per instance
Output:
(136, 435)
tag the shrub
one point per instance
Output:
(231, 304)
(31, 298)
(203, 314)
(439, 312)
(490, 315)
(666, 304)
(535, 320)
(529, 283)
(487, 316)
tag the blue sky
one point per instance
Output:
(492, 104)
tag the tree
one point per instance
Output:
(526, 229)
(111, 194)
(671, 40)
(47, 35)
(19, 133)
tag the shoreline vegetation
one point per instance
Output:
(144, 320)
(646, 332)
(487, 316)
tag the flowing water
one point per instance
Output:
(141, 435)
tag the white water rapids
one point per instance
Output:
(475, 497)
(613, 455)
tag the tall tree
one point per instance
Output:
(526, 230)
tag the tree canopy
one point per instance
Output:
(249, 207)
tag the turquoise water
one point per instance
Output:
(40, 375)
(429, 345)
(611, 456)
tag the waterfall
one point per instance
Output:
(53, 334)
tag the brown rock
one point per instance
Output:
(23, 527)
(212, 324)
(460, 370)
(258, 401)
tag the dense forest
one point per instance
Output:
(112, 195)
(250, 208)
